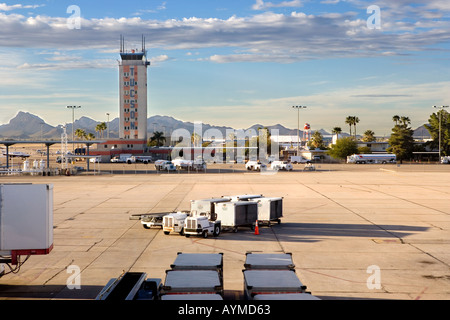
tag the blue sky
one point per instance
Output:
(234, 63)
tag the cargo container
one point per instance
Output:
(269, 209)
(26, 220)
(268, 261)
(234, 214)
(286, 296)
(243, 197)
(205, 207)
(192, 282)
(257, 282)
(199, 261)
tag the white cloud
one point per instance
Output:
(5, 7)
(261, 5)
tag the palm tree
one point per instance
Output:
(405, 120)
(355, 121)
(100, 128)
(369, 136)
(158, 138)
(90, 136)
(396, 119)
(337, 131)
(349, 121)
(80, 133)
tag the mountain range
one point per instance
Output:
(26, 126)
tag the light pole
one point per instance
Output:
(442, 108)
(73, 121)
(298, 125)
(107, 114)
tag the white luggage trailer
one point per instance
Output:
(192, 282)
(26, 221)
(243, 197)
(205, 207)
(269, 209)
(234, 214)
(269, 261)
(260, 282)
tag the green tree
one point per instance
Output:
(433, 129)
(100, 128)
(80, 134)
(343, 148)
(369, 136)
(316, 141)
(157, 140)
(401, 142)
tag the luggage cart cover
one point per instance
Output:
(192, 280)
(186, 261)
(269, 261)
(273, 280)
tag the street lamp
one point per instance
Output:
(298, 125)
(442, 108)
(108, 125)
(73, 121)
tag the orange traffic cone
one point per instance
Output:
(256, 228)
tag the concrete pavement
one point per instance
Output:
(338, 225)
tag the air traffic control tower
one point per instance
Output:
(133, 93)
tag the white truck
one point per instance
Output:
(121, 157)
(255, 166)
(164, 165)
(445, 160)
(281, 165)
(174, 222)
(202, 226)
(143, 159)
(372, 158)
(298, 159)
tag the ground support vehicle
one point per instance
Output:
(205, 207)
(143, 159)
(260, 282)
(445, 160)
(281, 165)
(372, 158)
(234, 214)
(164, 165)
(192, 282)
(269, 261)
(152, 220)
(131, 286)
(174, 222)
(298, 159)
(309, 167)
(202, 226)
(269, 209)
(121, 157)
(255, 166)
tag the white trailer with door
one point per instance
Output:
(234, 214)
(26, 223)
(379, 158)
(270, 209)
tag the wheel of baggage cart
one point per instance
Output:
(235, 229)
(187, 235)
(146, 226)
(205, 234)
(182, 232)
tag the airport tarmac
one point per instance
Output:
(363, 233)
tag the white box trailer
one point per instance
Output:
(206, 207)
(268, 261)
(258, 282)
(192, 282)
(234, 214)
(269, 209)
(26, 220)
(243, 197)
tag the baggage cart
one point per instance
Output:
(258, 282)
(269, 209)
(192, 282)
(234, 214)
(269, 261)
